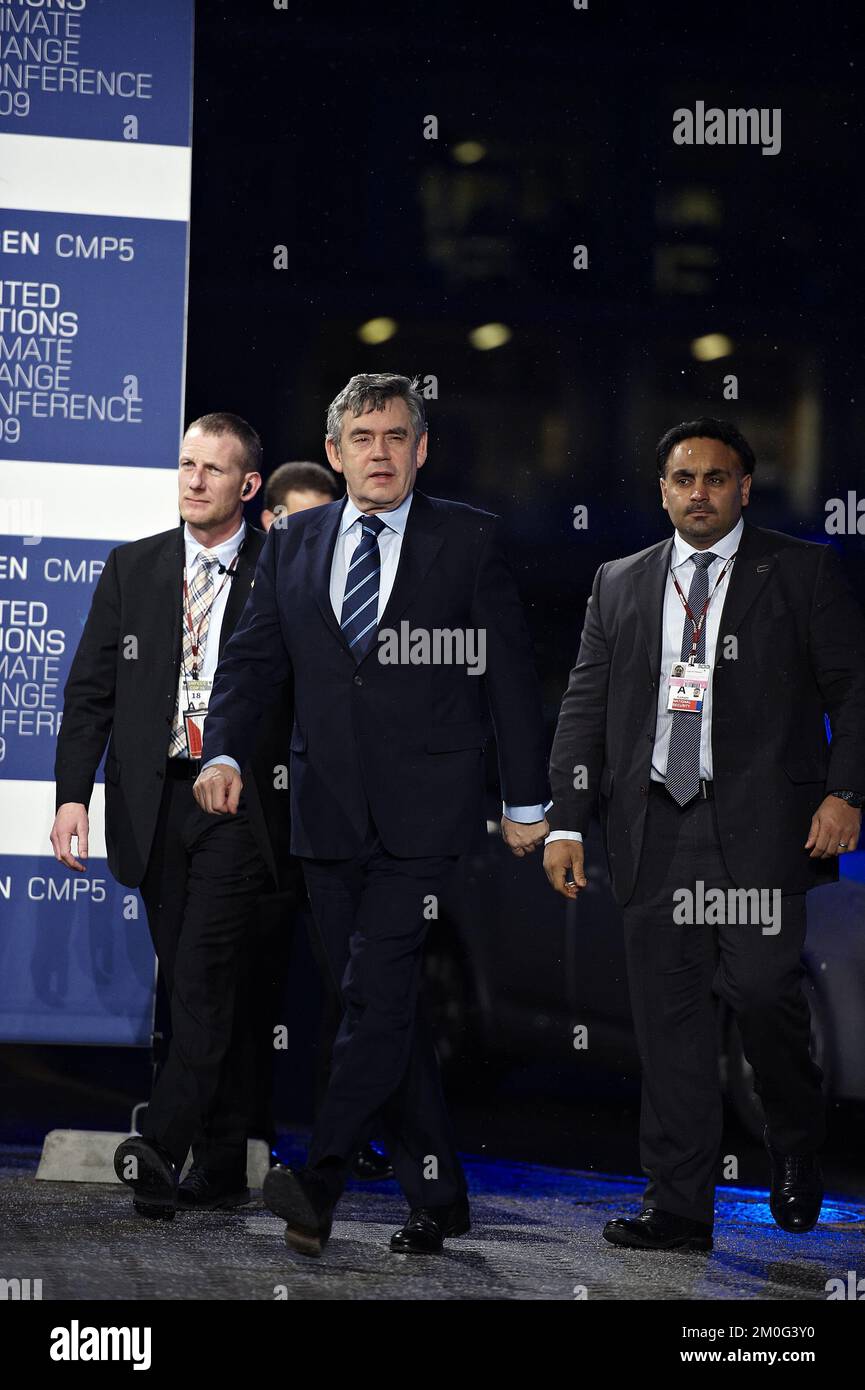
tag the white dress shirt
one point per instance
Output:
(671, 648)
(225, 552)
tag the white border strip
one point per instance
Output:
(86, 501)
(27, 814)
(100, 178)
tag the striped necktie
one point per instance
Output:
(683, 762)
(360, 603)
(200, 602)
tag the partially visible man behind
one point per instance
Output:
(140, 679)
(295, 487)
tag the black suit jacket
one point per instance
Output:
(402, 741)
(801, 654)
(128, 703)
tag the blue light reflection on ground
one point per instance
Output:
(601, 1191)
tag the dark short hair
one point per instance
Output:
(223, 422)
(298, 477)
(372, 391)
(705, 428)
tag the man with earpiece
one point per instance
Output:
(140, 683)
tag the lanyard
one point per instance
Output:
(195, 633)
(697, 623)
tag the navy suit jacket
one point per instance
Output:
(402, 741)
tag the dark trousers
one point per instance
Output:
(674, 970)
(270, 945)
(371, 914)
(201, 889)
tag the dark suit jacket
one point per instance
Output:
(129, 703)
(801, 654)
(402, 741)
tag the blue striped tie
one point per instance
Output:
(360, 604)
(683, 762)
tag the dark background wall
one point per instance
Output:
(309, 135)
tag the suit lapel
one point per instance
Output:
(166, 594)
(649, 580)
(753, 565)
(420, 546)
(241, 584)
(321, 543)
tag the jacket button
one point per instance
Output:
(644, 791)
(160, 776)
(358, 680)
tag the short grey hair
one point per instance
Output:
(370, 391)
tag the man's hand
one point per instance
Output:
(835, 828)
(524, 839)
(563, 858)
(218, 789)
(71, 820)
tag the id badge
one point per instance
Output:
(687, 686)
(193, 723)
(198, 694)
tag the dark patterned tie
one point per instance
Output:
(683, 762)
(360, 604)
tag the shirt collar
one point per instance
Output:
(724, 548)
(396, 519)
(225, 551)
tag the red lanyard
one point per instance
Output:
(698, 623)
(195, 633)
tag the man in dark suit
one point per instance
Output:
(290, 488)
(694, 721)
(161, 612)
(386, 774)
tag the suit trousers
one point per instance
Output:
(201, 889)
(371, 914)
(675, 970)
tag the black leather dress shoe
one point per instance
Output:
(204, 1191)
(371, 1166)
(151, 1173)
(654, 1229)
(304, 1202)
(428, 1227)
(796, 1194)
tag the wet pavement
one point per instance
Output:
(536, 1235)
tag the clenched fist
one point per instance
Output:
(524, 839)
(217, 789)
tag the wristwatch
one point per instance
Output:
(854, 799)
